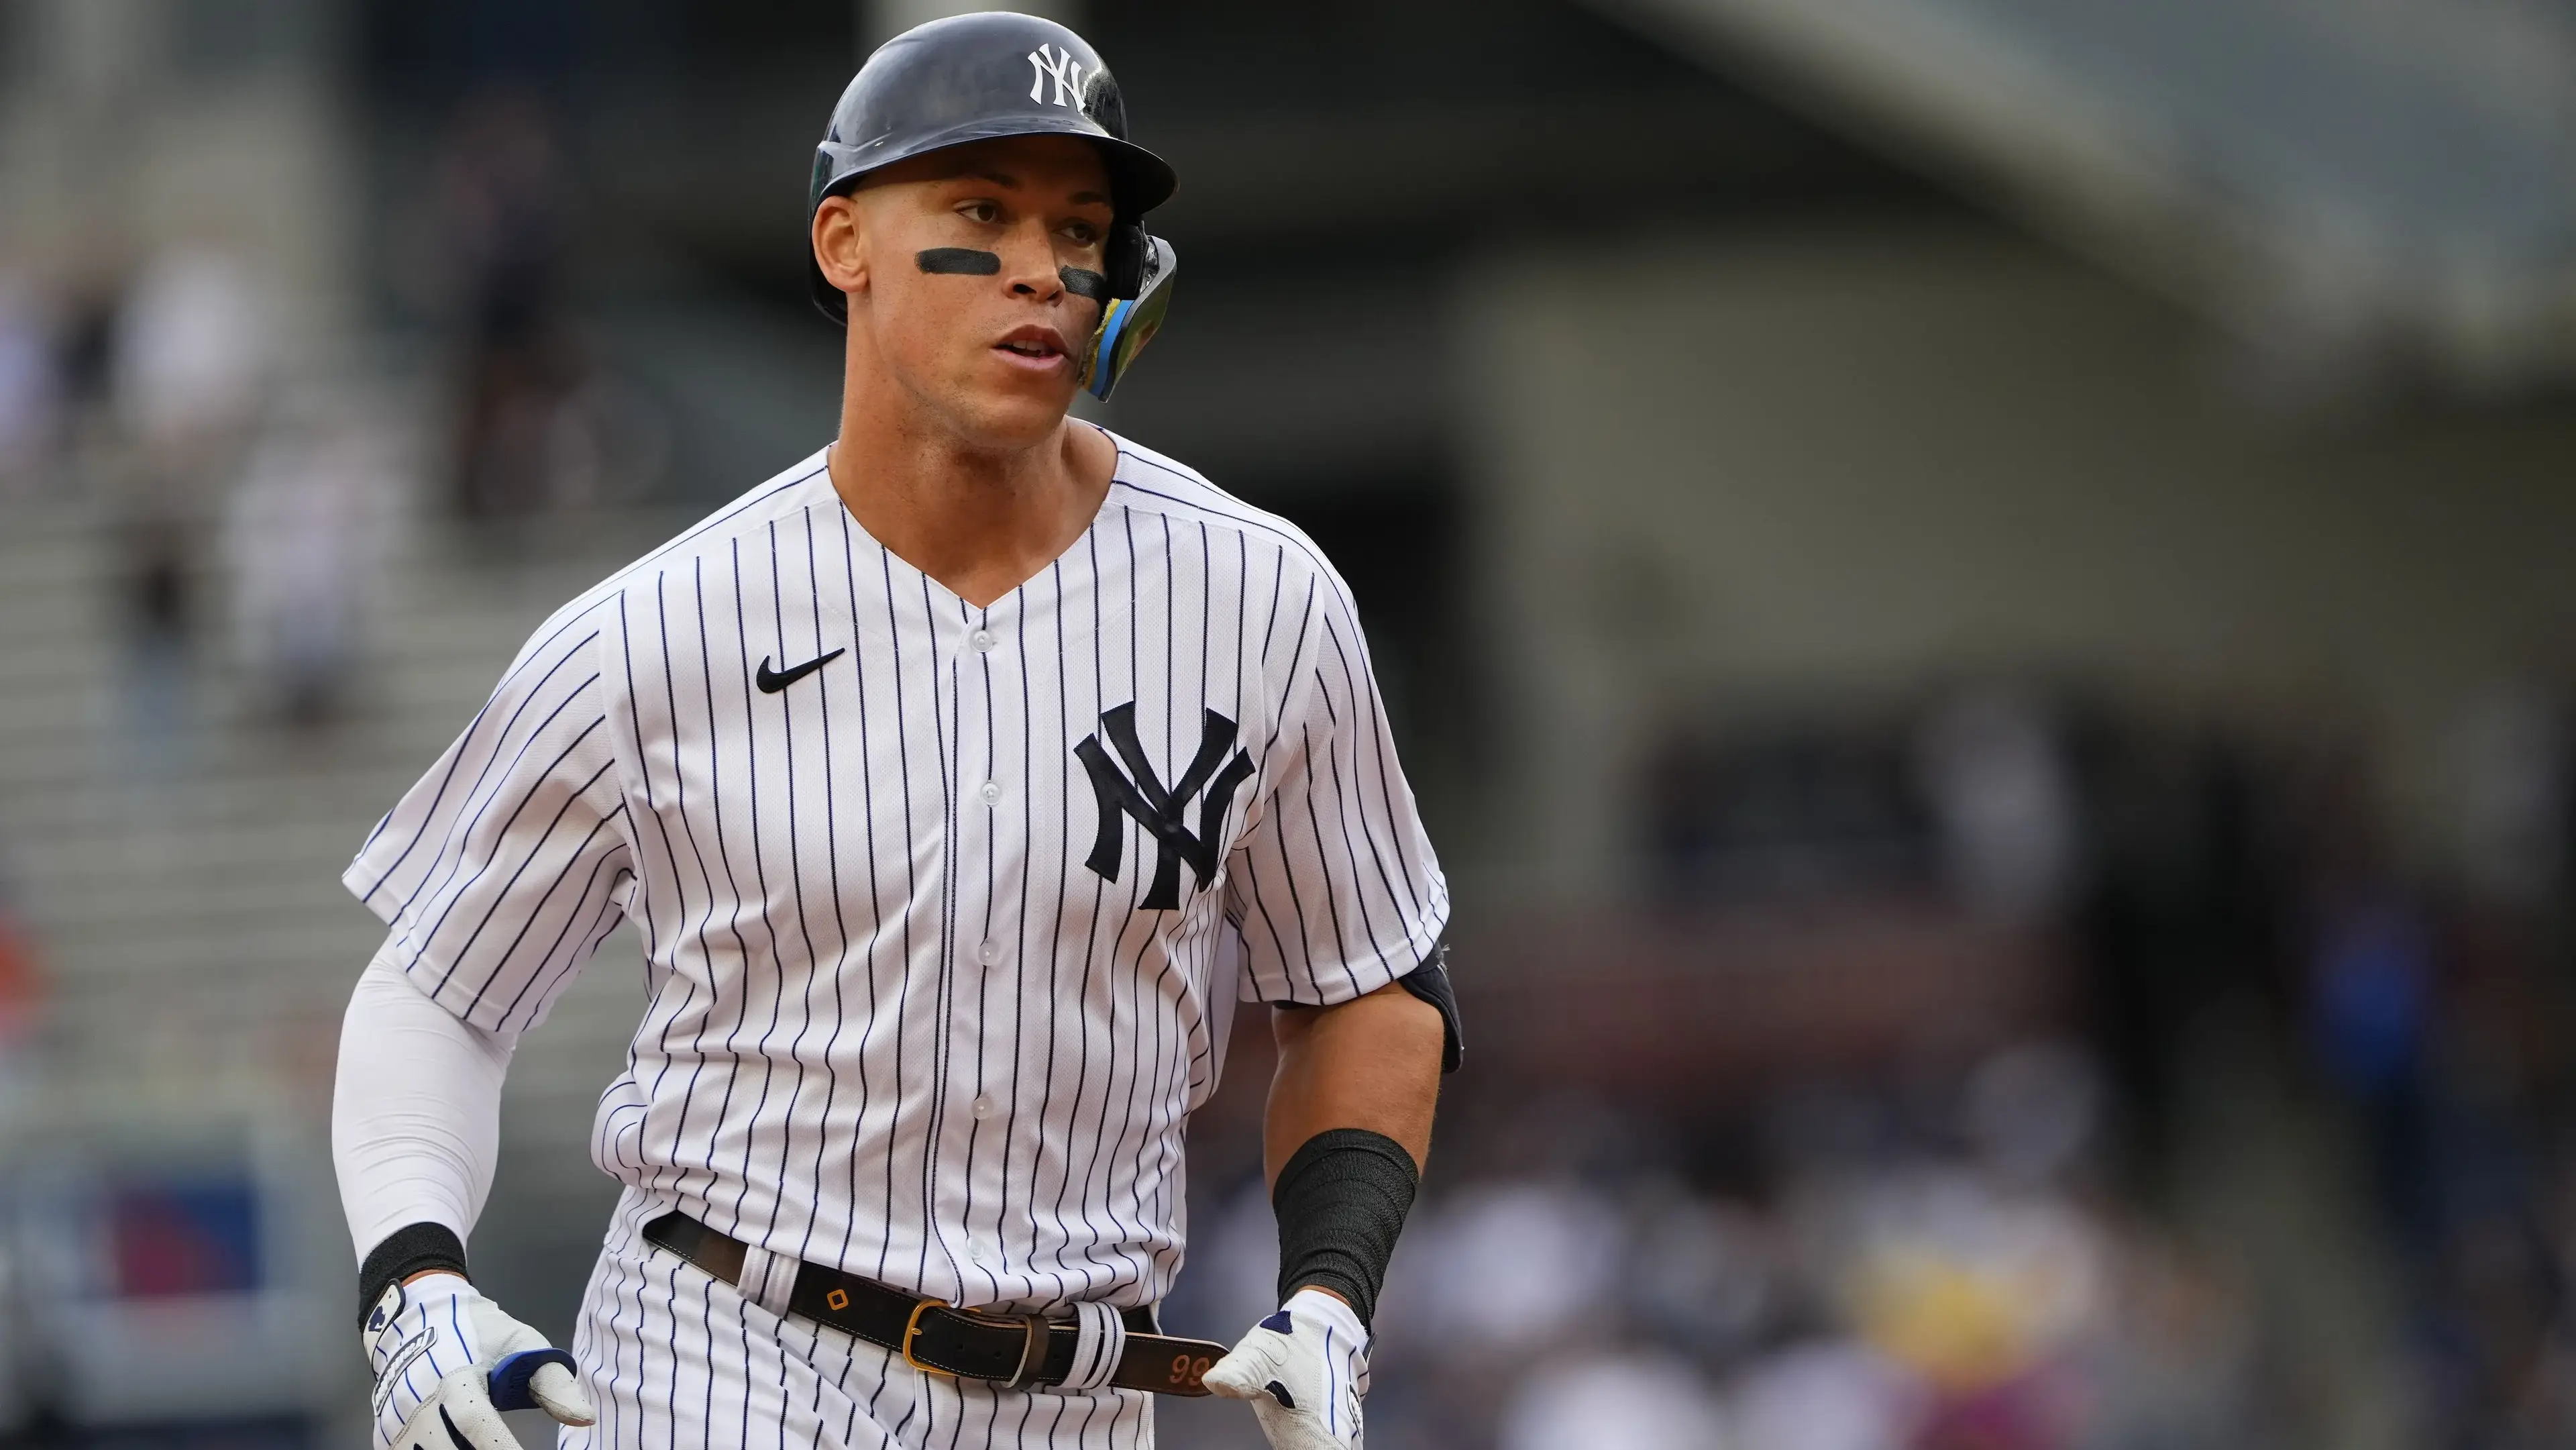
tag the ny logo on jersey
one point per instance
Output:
(1139, 793)
(1060, 67)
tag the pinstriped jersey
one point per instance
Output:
(943, 907)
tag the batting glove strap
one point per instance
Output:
(1304, 1370)
(433, 1344)
(413, 1249)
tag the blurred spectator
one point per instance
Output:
(1701, 1273)
(1796, 808)
(1823, 1395)
(21, 985)
(1982, 1296)
(190, 365)
(21, 993)
(158, 587)
(304, 536)
(2003, 803)
(30, 388)
(1638, 1401)
(2030, 1110)
(2369, 1008)
(521, 442)
(2516, 798)
(1515, 1268)
(2178, 1372)
(89, 304)
(2182, 913)
(1234, 1262)
(191, 361)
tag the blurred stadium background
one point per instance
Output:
(1978, 593)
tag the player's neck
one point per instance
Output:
(979, 521)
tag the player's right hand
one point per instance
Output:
(1305, 1369)
(434, 1344)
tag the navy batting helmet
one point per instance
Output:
(974, 78)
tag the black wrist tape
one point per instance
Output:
(412, 1249)
(1341, 1201)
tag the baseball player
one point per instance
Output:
(957, 780)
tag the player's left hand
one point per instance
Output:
(1305, 1369)
(435, 1345)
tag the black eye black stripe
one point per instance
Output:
(966, 261)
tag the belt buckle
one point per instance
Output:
(912, 1330)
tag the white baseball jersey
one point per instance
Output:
(932, 896)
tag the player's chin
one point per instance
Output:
(1012, 401)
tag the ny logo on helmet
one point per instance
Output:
(1060, 67)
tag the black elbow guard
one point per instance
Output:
(1430, 982)
(1341, 1202)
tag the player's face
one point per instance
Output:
(970, 267)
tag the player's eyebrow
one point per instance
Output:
(1008, 182)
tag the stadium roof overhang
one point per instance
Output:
(2360, 183)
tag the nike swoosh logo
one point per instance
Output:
(772, 681)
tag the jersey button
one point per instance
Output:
(985, 1107)
(990, 953)
(983, 639)
(992, 792)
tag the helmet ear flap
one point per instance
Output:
(1128, 323)
(1124, 261)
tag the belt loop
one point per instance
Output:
(1100, 1341)
(1032, 1352)
(767, 1278)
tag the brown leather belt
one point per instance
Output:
(1013, 1350)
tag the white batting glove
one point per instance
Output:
(433, 1344)
(1304, 1369)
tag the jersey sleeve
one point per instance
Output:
(504, 867)
(1334, 886)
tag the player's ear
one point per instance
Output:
(841, 244)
